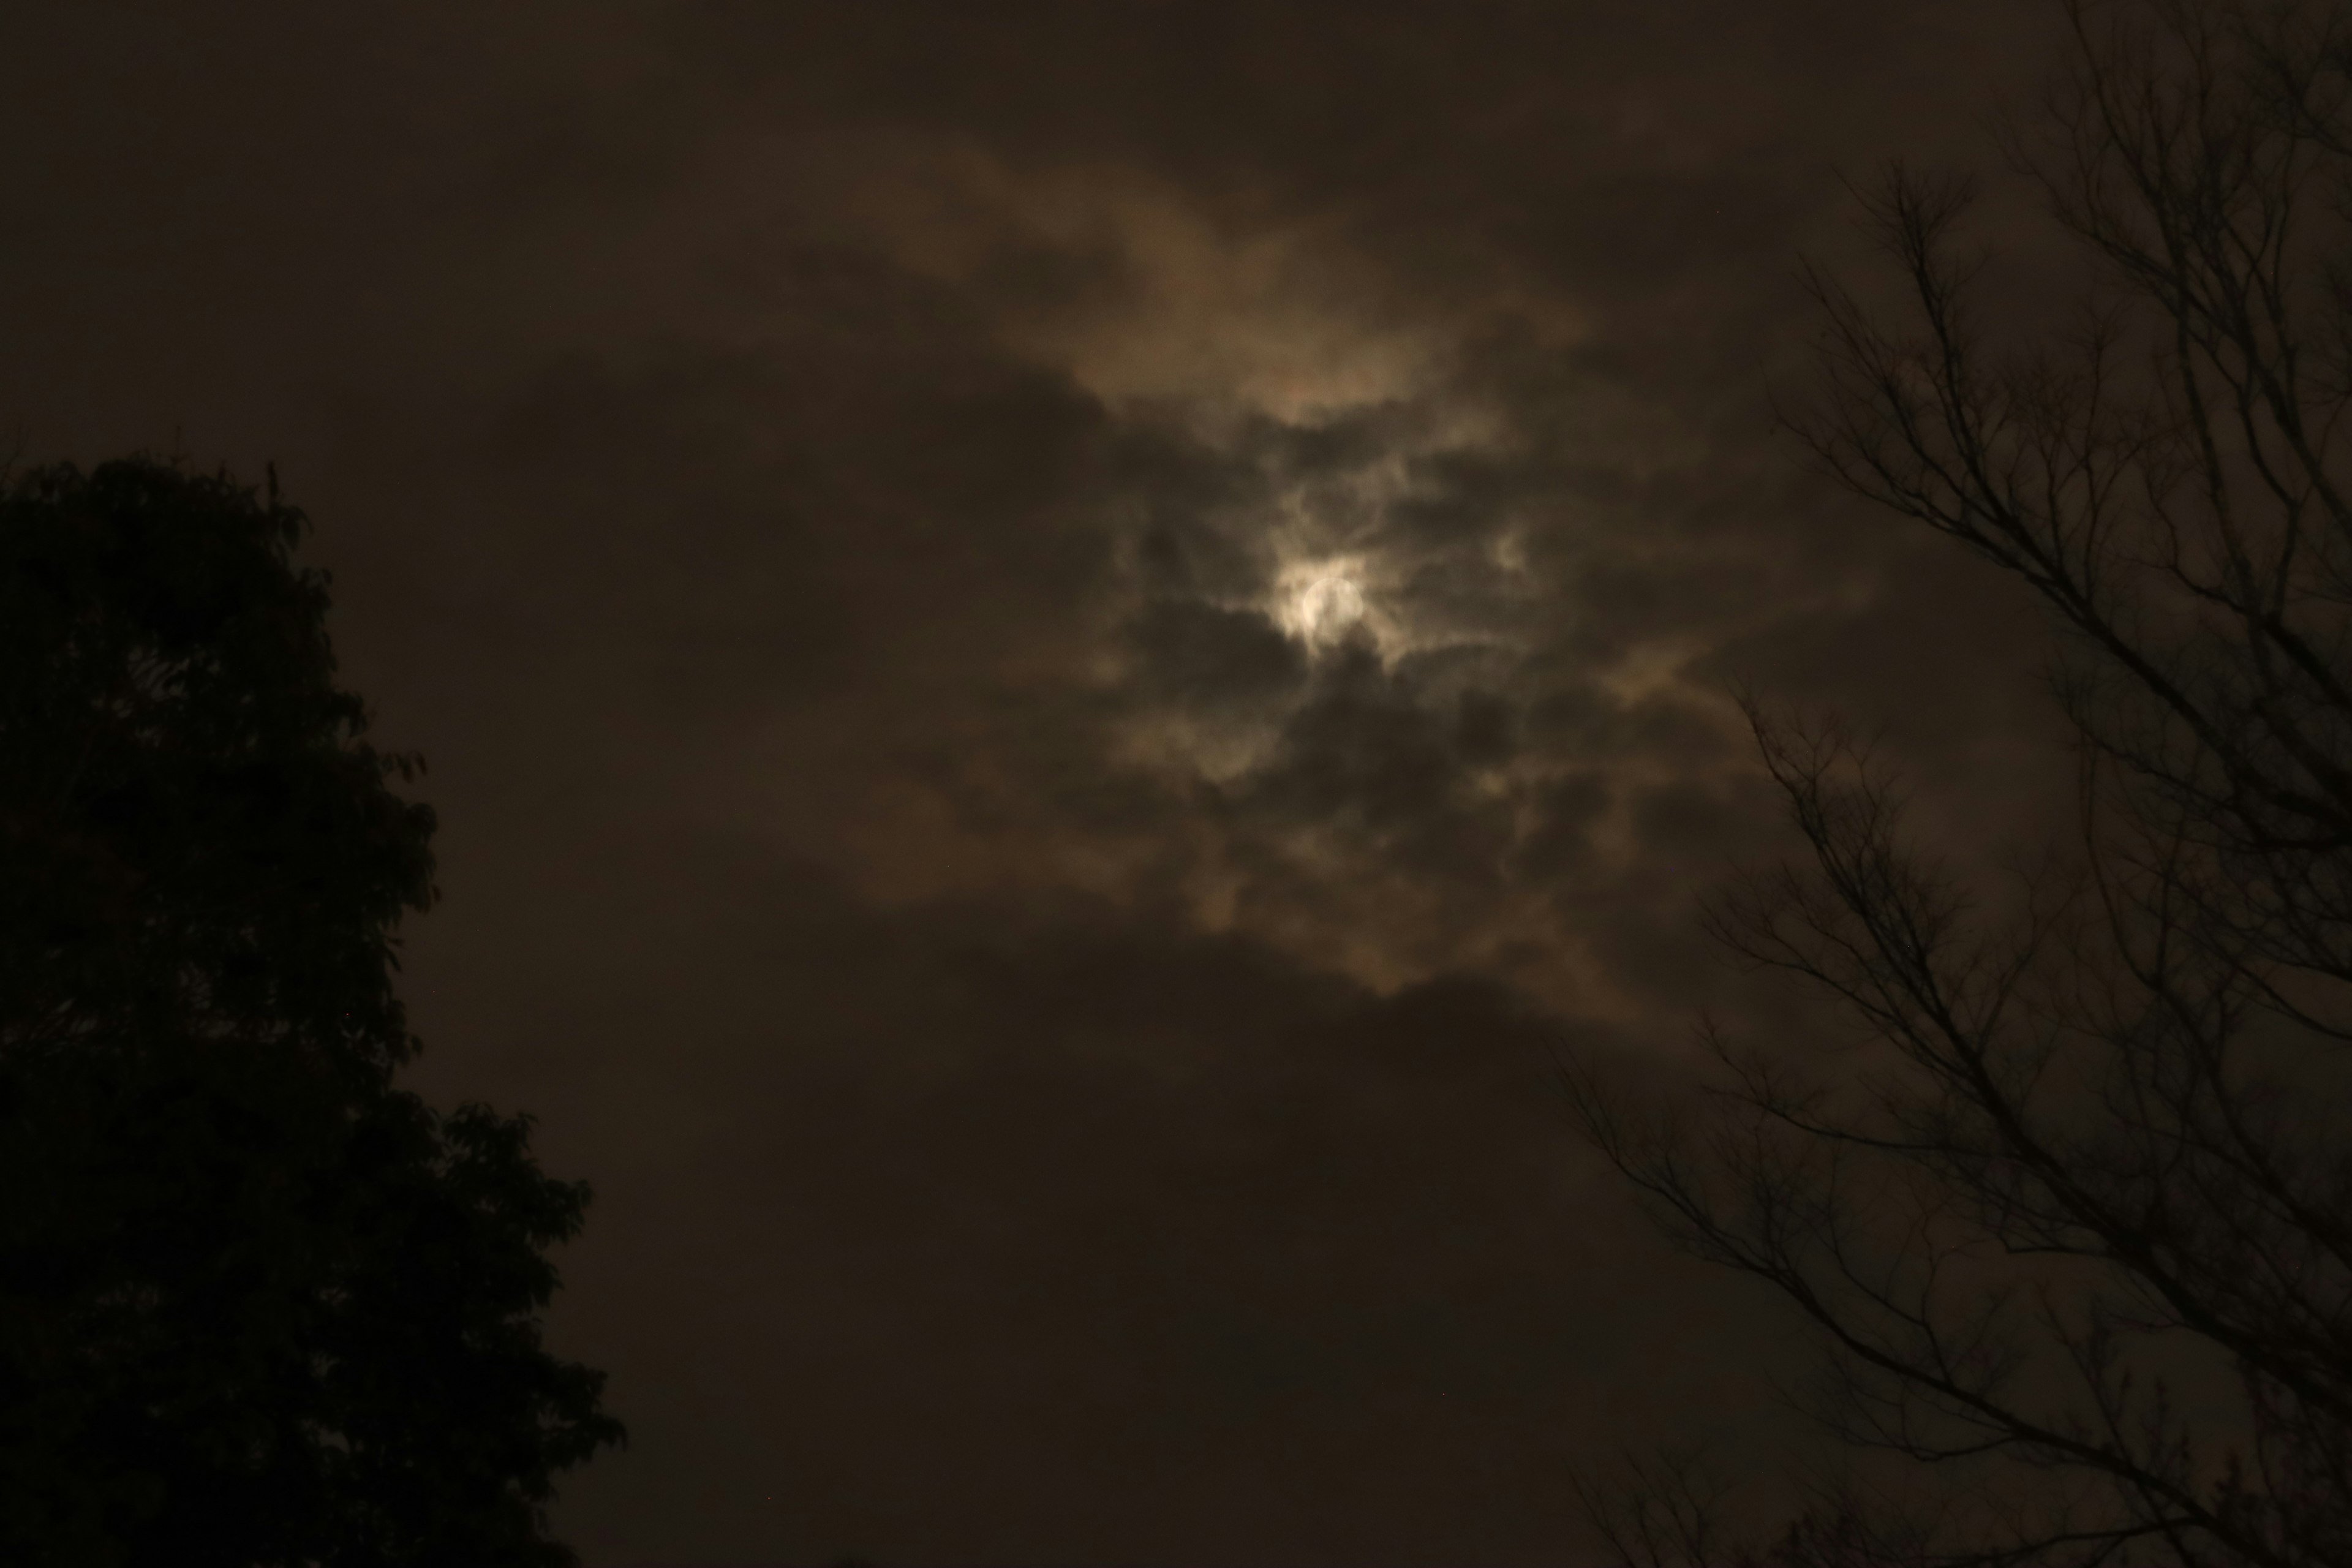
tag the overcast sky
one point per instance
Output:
(1060, 645)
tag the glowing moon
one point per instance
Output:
(1320, 603)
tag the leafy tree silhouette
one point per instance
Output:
(258, 1305)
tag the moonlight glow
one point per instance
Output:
(1321, 601)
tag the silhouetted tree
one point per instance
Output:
(258, 1305)
(2076, 1227)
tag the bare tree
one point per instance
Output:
(2078, 1233)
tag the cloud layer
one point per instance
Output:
(1061, 644)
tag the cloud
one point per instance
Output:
(1058, 641)
(1042, 1199)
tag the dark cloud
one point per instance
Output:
(1197, 653)
(1059, 643)
(1063, 1207)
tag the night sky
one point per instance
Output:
(1062, 647)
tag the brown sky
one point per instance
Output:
(1059, 643)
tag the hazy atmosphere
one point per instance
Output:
(1061, 647)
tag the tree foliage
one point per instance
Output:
(257, 1304)
(2076, 1225)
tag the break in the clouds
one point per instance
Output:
(1059, 643)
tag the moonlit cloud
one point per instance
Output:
(1059, 643)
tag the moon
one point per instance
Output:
(1322, 604)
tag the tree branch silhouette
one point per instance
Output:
(2099, 1144)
